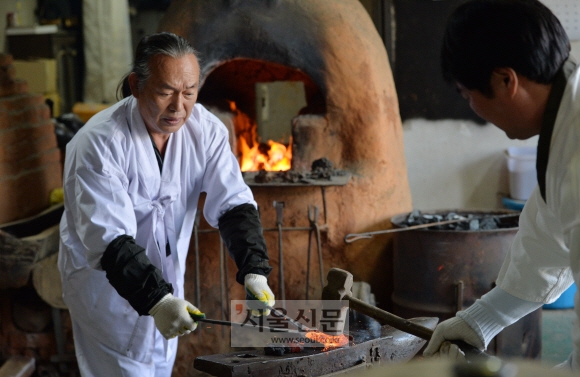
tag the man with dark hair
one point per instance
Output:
(132, 180)
(510, 60)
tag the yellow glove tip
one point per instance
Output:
(196, 311)
(56, 196)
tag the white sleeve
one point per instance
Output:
(537, 266)
(494, 311)
(222, 181)
(96, 193)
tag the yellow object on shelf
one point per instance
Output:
(86, 110)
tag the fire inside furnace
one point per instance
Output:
(254, 154)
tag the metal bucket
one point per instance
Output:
(439, 272)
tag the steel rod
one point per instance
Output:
(322, 227)
(197, 276)
(349, 238)
(308, 263)
(238, 324)
(279, 219)
(320, 262)
(323, 189)
(281, 264)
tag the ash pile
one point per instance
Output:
(471, 221)
(321, 169)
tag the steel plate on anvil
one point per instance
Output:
(392, 346)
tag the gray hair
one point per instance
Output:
(163, 43)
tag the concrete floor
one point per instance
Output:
(557, 328)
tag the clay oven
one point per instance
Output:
(350, 117)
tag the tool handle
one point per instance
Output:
(197, 317)
(402, 324)
(470, 351)
(387, 318)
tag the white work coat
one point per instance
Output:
(113, 187)
(544, 259)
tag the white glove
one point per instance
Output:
(452, 329)
(449, 351)
(172, 316)
(257, 289)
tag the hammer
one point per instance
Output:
(339, 288)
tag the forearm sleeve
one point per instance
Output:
(494, 311)
(131, 273)
(241, 230)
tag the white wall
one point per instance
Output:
(456, 164)
(459, 164)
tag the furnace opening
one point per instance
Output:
(257, 101)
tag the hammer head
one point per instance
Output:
(339, 285)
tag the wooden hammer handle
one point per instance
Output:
(409, 327)
(387, 318)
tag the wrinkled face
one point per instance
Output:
(169, 94)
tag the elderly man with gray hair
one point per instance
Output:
(132, 180)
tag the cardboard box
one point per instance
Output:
(86, 110)
(41, 74)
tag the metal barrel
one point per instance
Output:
(438, 272)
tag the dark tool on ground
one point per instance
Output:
(339, 288)
(350, 238)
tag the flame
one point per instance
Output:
(329, 341)
(277, 158)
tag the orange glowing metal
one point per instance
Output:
(329, 341)
(278, 157)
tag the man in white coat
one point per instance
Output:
(510, 60)
(132, 180)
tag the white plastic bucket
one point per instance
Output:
(521, 163)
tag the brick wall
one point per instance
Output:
(30, 161)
